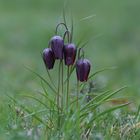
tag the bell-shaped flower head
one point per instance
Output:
(48, 58)
(69, 54)
(82, 69)
(57, 45)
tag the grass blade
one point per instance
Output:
(102, 70)
(82, 85)
(34, 113)
(71, 71)
(88, 17)
(95, 99)
(107, 111)
(42, 79)
(28, 111)
(91, 106)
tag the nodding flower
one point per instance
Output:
(82, 69)
(48, 57)
(57, 45)
(69, 54)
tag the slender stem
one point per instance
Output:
(51, 78)
(64, 16)
(67, 99)
(58, 94)
(77, 93)
(56, 30)
(62, 86)
(50, 117)
(68, 36)
(78, 109)
(71, 37)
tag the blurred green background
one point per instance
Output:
(27, 25)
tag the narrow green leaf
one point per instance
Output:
(28, 111)
(42, 79)
(93, 106)
(95, 99)
(71, 71)
(88, 17)
(137, 117)
(36, 99)
(51, 80)
(106, 112)
(34, 113)
(82, 85)
(71, 39)
(49, 100)
(44, 89)
(64, 14)
(102, 70)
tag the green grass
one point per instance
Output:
(25, 28)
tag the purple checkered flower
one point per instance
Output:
(69, 54)
(48, 57)
(82, 69)
(57, 45)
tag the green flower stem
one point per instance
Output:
(62, 82)
(78, 93)
(58, 94)
(78, 108)
(67, 98)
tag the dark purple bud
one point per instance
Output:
(57, 44)
(82, 69)
(69, 54)
(48, 57)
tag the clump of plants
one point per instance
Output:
(67, 114)
(62, 49)
(75, 113)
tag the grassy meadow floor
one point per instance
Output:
(114, 41)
